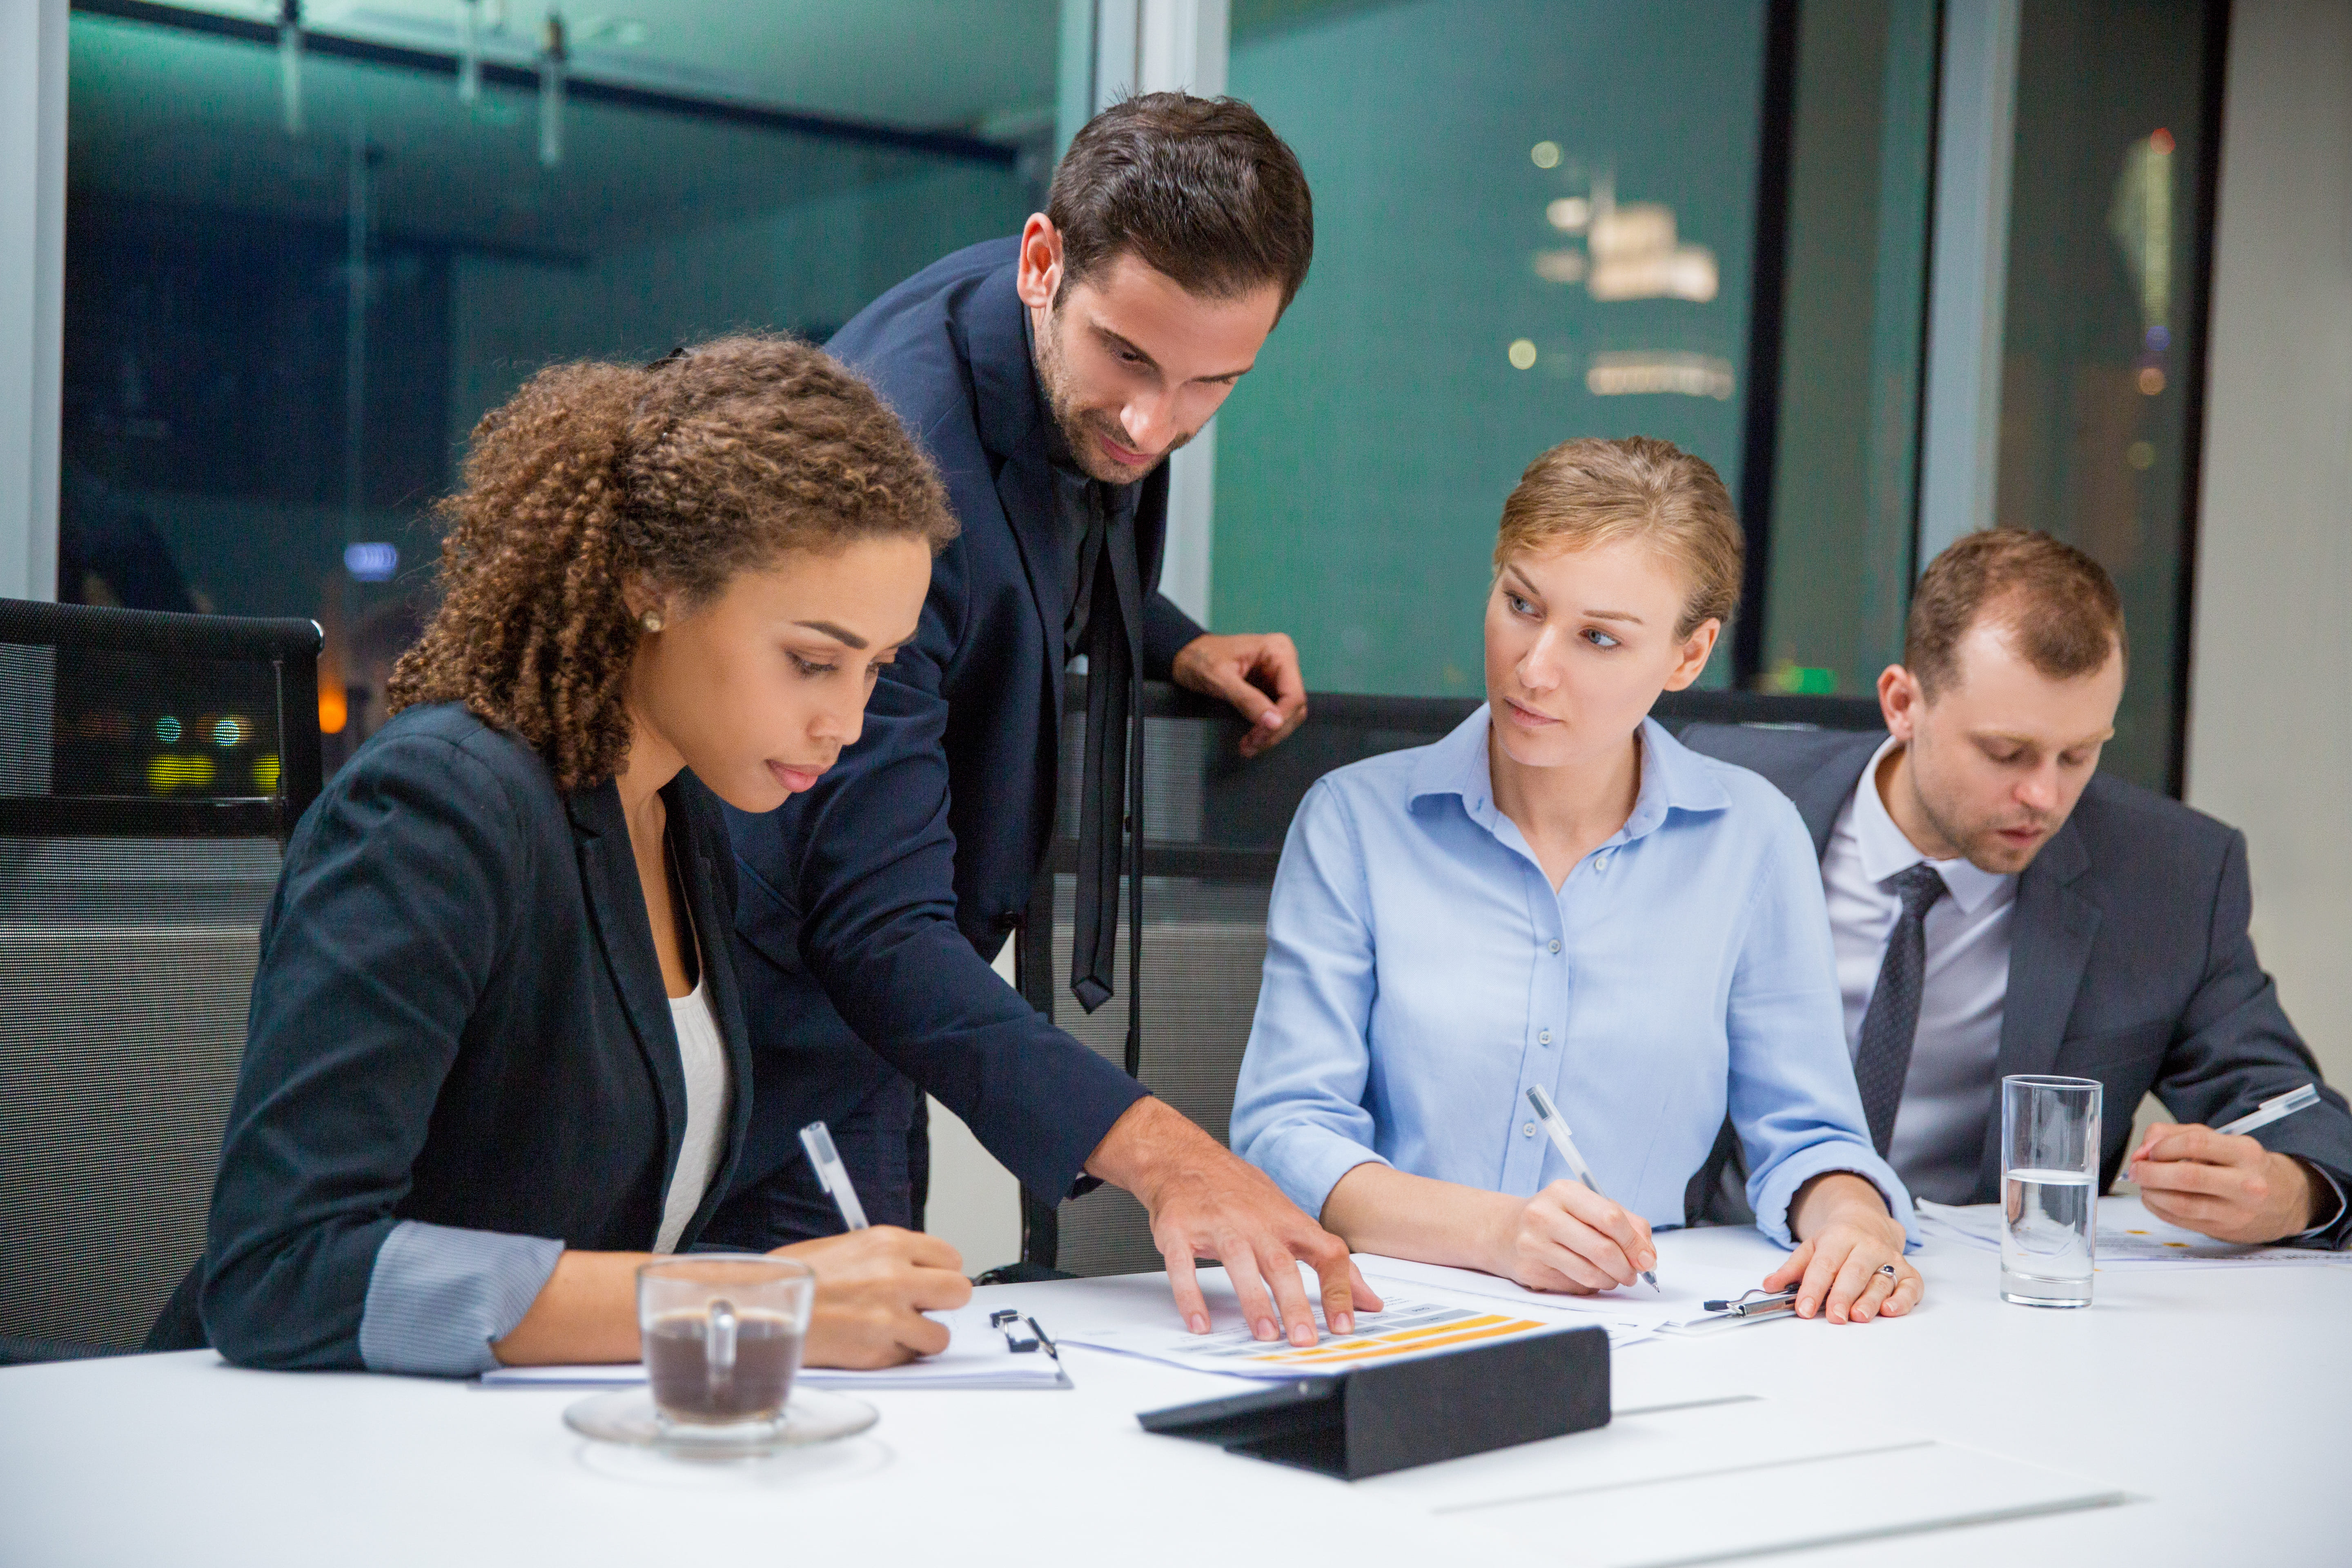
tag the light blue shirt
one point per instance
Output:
(1420, 973)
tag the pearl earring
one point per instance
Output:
(651, 620)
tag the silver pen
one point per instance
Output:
(1553, 1124)
(832, 1174)
(2273, 1109)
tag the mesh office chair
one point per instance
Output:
(150, 767)
(1213, 826)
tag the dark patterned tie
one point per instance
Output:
(1884, 1059)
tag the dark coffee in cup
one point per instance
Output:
(719, 1367)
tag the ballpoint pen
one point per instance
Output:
(2272, 1110)
(1761, 1306)
(834, 1176)
(1558, 1128)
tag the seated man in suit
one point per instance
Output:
(1999, 907)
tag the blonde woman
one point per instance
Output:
(1558, 894)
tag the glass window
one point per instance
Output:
(1534, 220)
(1839, 534)
(276, 343)
(2103, 356)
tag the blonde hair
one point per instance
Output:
(1589, 491)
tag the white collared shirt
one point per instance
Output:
(1948, 1095)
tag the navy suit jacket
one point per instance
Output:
(2129, 958)
(458, 1018)
(872, 904)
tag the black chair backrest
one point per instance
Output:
(150, 767)
(1213, 828)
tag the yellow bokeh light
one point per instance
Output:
(1523, 354)
(168, 774)
(265, 773)
(2151, 380)
(1544, 154)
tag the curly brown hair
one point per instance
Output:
(681, 473)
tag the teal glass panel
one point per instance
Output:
(1846, 458)
(1533, 221)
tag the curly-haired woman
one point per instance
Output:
(495, 1053)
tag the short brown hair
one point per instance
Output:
(2058, 607)
(1200, 189)
(683, 473)
(1589, 491)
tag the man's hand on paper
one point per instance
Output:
(873, 1287)
(1846, 1238)
(1206, 1202)
(1569, 1237)
(2229, 1188)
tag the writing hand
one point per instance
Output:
(873, 1287)
(1569, 1237)
(2228, 1187)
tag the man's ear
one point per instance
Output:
(1900, 701)
(1038, 276)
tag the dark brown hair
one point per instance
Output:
(2057, 606)
(681, 473)
(1591, 492)
(1198, 188)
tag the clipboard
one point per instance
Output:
(1394, 1415)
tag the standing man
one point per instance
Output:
(1050, 376)
(1997, 907)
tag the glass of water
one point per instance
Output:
(2049, 1180)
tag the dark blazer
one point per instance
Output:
(458, 1018)
(2129, 958)
(873, 902)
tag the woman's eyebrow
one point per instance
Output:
(1628, 617)
(839, 634)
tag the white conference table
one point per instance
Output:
(2208, 1409)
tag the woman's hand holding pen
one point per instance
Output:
(1849, 1263)
(1569, 1237)
(873, 1287)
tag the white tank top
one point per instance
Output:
(702, 1054)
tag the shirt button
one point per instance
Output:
(1528, 1130)
(1555, 944)
(1544, 1039)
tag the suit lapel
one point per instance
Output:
(1010, 418)
(2049, 939)
(1822, 794)
(616, 907)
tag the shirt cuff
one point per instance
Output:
(2335, 1216)
(440, 1297)
(1771, 1196)
(1307, 1162)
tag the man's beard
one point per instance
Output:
(1981, 847)
(1083, 429)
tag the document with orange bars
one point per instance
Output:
(1408, 1327)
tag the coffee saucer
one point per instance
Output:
(628, 1416)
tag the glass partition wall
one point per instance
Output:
(1536, 219)
(288, 303)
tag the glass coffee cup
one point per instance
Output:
(722, 1335)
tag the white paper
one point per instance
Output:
(977, 1356)
(1676, 1306)
(1409, 1325)
(2129, 1237)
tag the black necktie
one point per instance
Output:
(1110, 790)
(1884, 1059)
